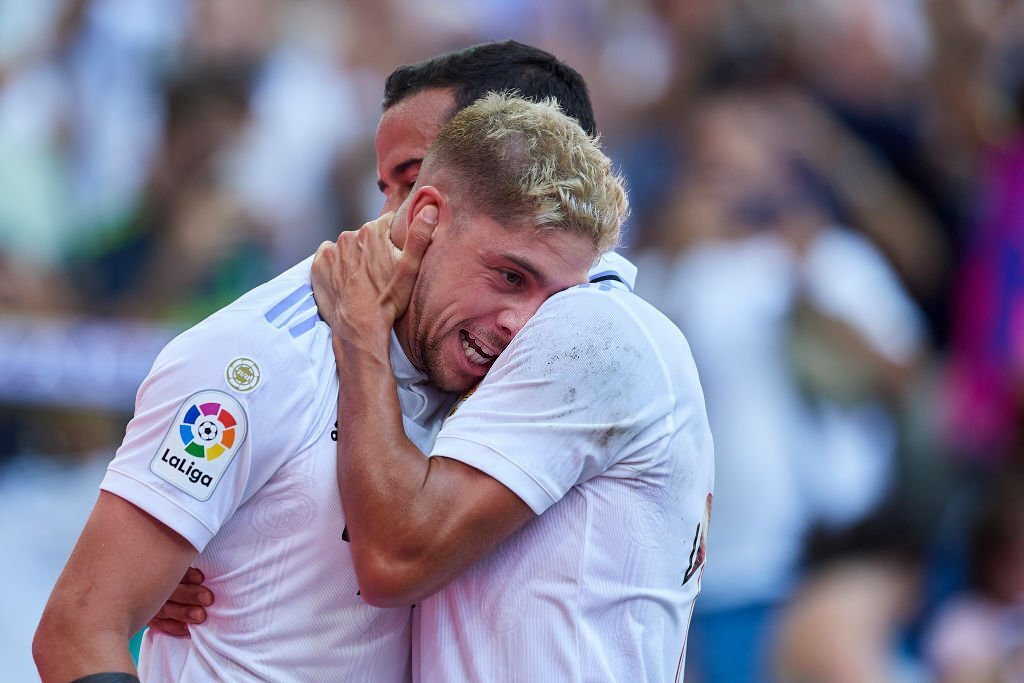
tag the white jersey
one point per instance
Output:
(594, 416)
(233, 446)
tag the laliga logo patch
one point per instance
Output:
(207, 432)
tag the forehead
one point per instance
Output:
(408, 128)
(557, 258)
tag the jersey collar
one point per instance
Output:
(405, 372)
(420, 400)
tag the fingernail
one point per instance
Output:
(429, 214)
(195, 614)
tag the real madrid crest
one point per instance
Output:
(243, 375)
(462, 399)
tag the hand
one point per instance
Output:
(185, 606)
(363, 281)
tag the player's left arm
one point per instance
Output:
(123, 567)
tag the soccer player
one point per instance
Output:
(230, 460)
(595, 405)
(556, 530)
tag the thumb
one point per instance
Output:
(421, 232)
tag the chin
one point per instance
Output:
(458, 387)
(444, 378)
(453, 382)
(445, 371)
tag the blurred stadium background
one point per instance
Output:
(828, 200)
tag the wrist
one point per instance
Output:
(364, 345)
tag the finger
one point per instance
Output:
(381, 222)
(420, 234)
(192, 594)
(168, 626)
(321, 252)
(188, 614)
(193, 575)
(320, 272)
(321, 260)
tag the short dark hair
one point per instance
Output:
(505, 66)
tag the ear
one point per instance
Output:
(428, 194)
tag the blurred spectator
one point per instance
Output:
(805, 341)
(868, 63)
(978, 636)
(847, 619)
(190, 240)
(308, 109)
(982, 86)
(79, 119)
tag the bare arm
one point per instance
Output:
(414, 522)
(122, 569)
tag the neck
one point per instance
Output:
(403, 331)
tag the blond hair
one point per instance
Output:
(526, 163)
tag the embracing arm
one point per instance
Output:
(414, 522)
(123, 567)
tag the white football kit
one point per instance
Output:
(233, 446)
(594, 416)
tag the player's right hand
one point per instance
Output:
(363, 281)
(185, 606)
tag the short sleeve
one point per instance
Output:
(566, 400)
(222, 409)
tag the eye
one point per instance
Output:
(511, 277)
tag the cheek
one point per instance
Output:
(480, 303)
(456, 304)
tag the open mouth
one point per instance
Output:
(476, 351)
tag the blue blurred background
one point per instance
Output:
(828, 200)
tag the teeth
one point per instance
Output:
(472, 353)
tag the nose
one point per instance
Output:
(391, 203)
(511, 318)
(394, 200)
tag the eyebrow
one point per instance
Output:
(399, 170)
(528, 267)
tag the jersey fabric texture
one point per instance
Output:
(595, 417)
(270, 526)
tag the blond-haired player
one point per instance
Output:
(555, 532)
(229, 462)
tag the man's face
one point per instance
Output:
(478, 285)
(404, 134)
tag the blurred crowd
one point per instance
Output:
(828, 201)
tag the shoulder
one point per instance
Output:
(604, 342)
(608, 325)
(268, 347)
